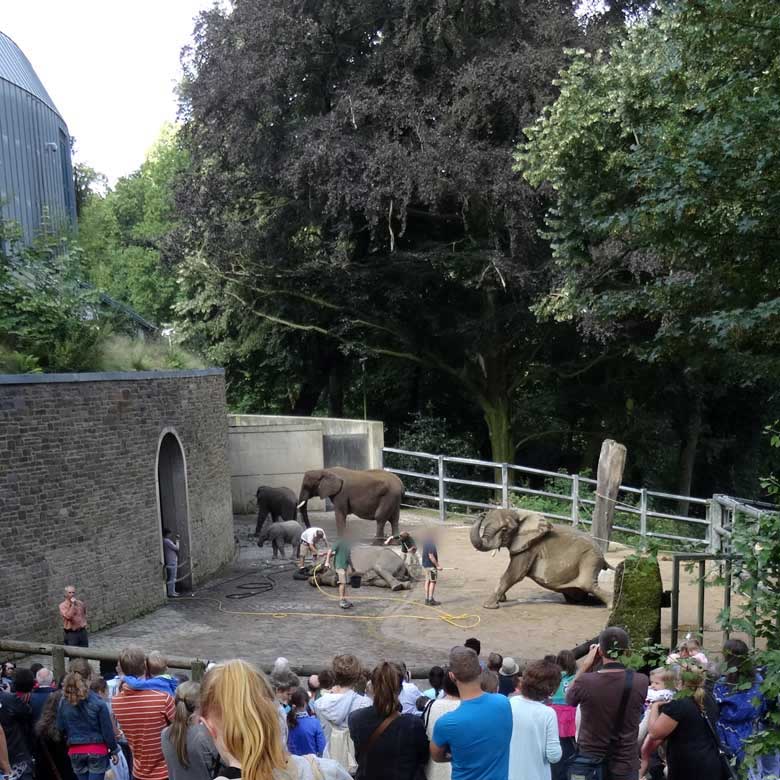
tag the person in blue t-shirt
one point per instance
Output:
(430, 562)
(476, 736)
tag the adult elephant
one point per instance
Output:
(556, 557)
(373, 494)
(279, 502)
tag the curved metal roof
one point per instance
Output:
(16, 68)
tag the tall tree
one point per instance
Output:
(352, 179)
(660, 158)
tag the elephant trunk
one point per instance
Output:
(475, 535)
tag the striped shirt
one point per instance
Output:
(142, 715)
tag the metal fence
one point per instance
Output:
(458, 485)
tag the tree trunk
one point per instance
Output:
(688, 447)
(307, 399)
(499, 425)
(336, 389)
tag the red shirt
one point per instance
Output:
(142, 715)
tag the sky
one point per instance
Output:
(110, 66)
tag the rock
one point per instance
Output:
(638, 595)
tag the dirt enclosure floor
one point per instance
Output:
(257, 611)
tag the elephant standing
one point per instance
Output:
(279, 502)
(377, 566)
(556, 557)
(286, 532)
(373, 495)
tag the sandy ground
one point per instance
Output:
(257, 611)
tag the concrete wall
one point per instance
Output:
(78, 491)
(277, 450)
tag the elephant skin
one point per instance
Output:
(286, 532)
(279, 502)
(377, 566)
(373, 494)
(558, 558)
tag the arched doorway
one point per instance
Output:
(172, 497)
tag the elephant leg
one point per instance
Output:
(281, 548)
(519, 566)
(275, 547)
(341, 522)
(262, 513)
(388, 578)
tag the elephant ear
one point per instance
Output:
(329, 485)
(531, 529)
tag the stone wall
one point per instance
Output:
(276, 450)
(79, 498)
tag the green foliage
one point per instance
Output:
(126, 233)
(48, 321)
(120, 353)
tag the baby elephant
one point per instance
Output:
(287, 532)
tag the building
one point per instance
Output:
(92, 467)
(36, 173)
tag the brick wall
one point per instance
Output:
(78, 494)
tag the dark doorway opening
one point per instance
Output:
(172, 495)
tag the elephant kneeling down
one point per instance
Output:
(556, 557)
(377, 566)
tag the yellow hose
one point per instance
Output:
(458, 621)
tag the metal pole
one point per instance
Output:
(504, 486)
(675, 599)
(701, 600)
(727, 597)
(442, 508)
(365, 402)
(575, 500)
(643, 514)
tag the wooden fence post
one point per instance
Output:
(612, 460)
(58, 661)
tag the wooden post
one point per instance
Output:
(198, 670)
(612, 460)
(58, 661)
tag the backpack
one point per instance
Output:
(341, 748)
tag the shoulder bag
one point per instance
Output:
(582, 767)
(728, 769)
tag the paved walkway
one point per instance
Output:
(258, 611)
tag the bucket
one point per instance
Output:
(355, 580)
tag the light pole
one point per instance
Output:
(363, 372)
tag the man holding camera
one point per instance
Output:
(171, 553)
(73, 612)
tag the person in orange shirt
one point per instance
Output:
(74, 619)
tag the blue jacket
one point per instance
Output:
(306, 737)
(89, 722)
(38, 700)
(163, 683)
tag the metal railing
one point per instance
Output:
(637, 510)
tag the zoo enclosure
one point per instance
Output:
(457, 485)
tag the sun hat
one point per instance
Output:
(509, 667)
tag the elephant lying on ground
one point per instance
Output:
(556, 557)
(377, 566)
(288, 532)
(373, 494)
(279, 502)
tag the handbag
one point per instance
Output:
(728, 769)
(584, 767)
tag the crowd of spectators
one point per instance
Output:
(495, 719)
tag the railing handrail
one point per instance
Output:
(640, 495)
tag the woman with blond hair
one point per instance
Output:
(85, 722)
(687, 725)
(237, 707)
(189, 750)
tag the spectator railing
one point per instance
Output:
(638, 511)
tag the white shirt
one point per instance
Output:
(535, 744)
(408, 698)
(310, 534)
(439, 707)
